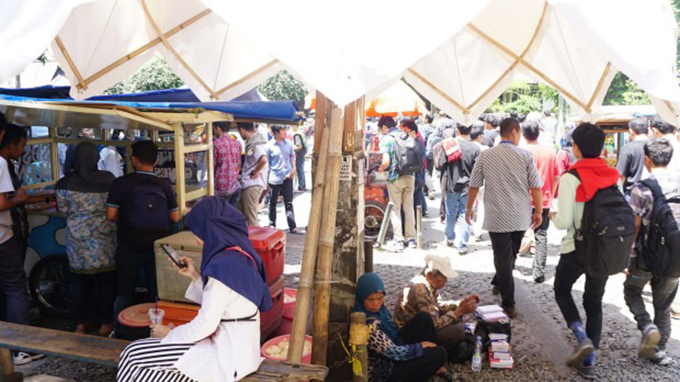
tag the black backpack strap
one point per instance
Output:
(574, 173)
(653, 185)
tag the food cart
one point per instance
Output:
(181, 130)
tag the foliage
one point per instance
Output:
(155, 74)
(524, 97)
(623, 91)
(283, 86)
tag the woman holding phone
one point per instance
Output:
(223, 342)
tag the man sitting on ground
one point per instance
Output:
(421, 294)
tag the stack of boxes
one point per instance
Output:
(500, 352)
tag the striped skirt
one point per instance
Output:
(148, 360)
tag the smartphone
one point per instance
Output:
(174, 256)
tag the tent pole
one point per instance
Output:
(311, 239)
(322, 290)
(599, 86)
(438, 91)
(81, 82)
(143, 49)
(172, 50)
(247, 77)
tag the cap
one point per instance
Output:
(441, 263)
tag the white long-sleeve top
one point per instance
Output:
(223, 351)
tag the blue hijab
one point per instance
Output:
(368, 284)
(221, 226)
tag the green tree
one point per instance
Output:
(525, 97)
(155, 74)
(623, 91)
(283, 86)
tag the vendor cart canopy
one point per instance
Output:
(164, 99)
(460, 54)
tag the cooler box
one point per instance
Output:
(269, 242)
(181, 313)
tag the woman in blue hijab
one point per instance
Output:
(223, 342)
(409, 355)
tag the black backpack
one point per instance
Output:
(149, 211)
(607, 232)
(408, 154)
(661, 243)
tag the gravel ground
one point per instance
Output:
(541, 341)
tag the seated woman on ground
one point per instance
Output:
(223, 342)
(408, 355)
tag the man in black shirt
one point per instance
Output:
(631, 163)
(144, 206)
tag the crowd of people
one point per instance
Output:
(524, 184)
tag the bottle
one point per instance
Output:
(477, 357)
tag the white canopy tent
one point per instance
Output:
(459, 54)
(104, 41)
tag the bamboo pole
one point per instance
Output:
(304, 293)
(322, 289)
(358, 321)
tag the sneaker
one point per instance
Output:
(426, 214)
(449, 243)
(22, 358)
(412, 244)
(650, 338)
(463, 251)
(479, 238)
(582, 350)
(496, 289)
(587, 372)
(431, 195)
(661, 359)
(539, 280)
(295, 231)
(396, 245)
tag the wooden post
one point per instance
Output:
(210, 160)
(326, 241)
(180, 180)
(348, 251)
(358, 321)
(311, 238)
(419, 226)
(7, 373)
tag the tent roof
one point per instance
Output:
(162, 100)
(467, 55)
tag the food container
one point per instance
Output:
(270, 243)
(267, 353)
(134, 322)
(289, 302)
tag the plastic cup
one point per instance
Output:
(156, 316)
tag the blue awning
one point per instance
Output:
(164, 99)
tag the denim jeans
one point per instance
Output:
(663, 292)
(455, 210)
(285, 189)
(419, 199)
(300, 170)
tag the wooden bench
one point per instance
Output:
(106, 351)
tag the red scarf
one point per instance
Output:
(595, 175)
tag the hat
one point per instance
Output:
(434, 262)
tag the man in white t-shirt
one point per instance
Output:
(12, 276)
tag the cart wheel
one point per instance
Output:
(374, 213)
(49, 286)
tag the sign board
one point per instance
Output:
(346, 168)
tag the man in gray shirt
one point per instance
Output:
(508, 173)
